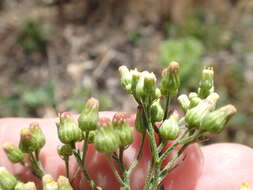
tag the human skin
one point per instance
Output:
(185, 177)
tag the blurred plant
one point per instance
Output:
(187, 51)
(197, 25)
(33, 37)
(28, 98)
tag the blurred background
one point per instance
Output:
(54, 54)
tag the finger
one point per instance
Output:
(226, 166)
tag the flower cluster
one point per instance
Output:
(195, 117)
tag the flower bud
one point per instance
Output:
(184, 102)
(170, 81)
(169, 130)
(135, 78)
(64, 151)
(68, 130)
(215, 121)
(63, 183)
(13, 153)
(126, 78)
(195, 115)
(31, 138)
(29, 186)
(106, 140)
(146, 86)
(206, 85)
(213, 98)
(20, 186)
(38, 134)
(139, 120)
(123, 130)
(89, 116)
(157, 112)
(157, 93)
(49, 183)
(7, 180)
(194, 99)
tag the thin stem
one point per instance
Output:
(168, 168)
(66, 160)
(83, 169)
(180, 141)
(85, 146)
(154, 149)
(115, 171)
(35, 166)
(168, 100)
(121, 161)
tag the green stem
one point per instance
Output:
(180, 141)
(36, 167)
(84, 171)
(85, 146)
(66, 160)
(154, 150)
(115, 171)
(168, 100)
(121, 161)
(168, 168)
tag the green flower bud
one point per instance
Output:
(170, 81)
(194, 99)
(64, 151)
(169, 130)
(49, 183)
(29, 186)
(31, 138)
(63, 183)
(126, 78)
(135, 78)
(122, 129)
(184, 102)
(215, 121)
(157, 112)
(194, 116)
(7, 180)
(91, 137)
(213, 98)
(20, 186)
(146, 86)
(68, 130)
(13, 153)
(106, 140)
(206, 85)
(157, 93)
(38, 134)
(139, 120)
(89, 116)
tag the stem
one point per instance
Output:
(121, 161)
(154, 150)
(180, 141)
(138, 158)
(168, 168)
(115, 171)
(66, 160)
(168, 100)
(84, 171)
(85, 146)
(36, 167)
